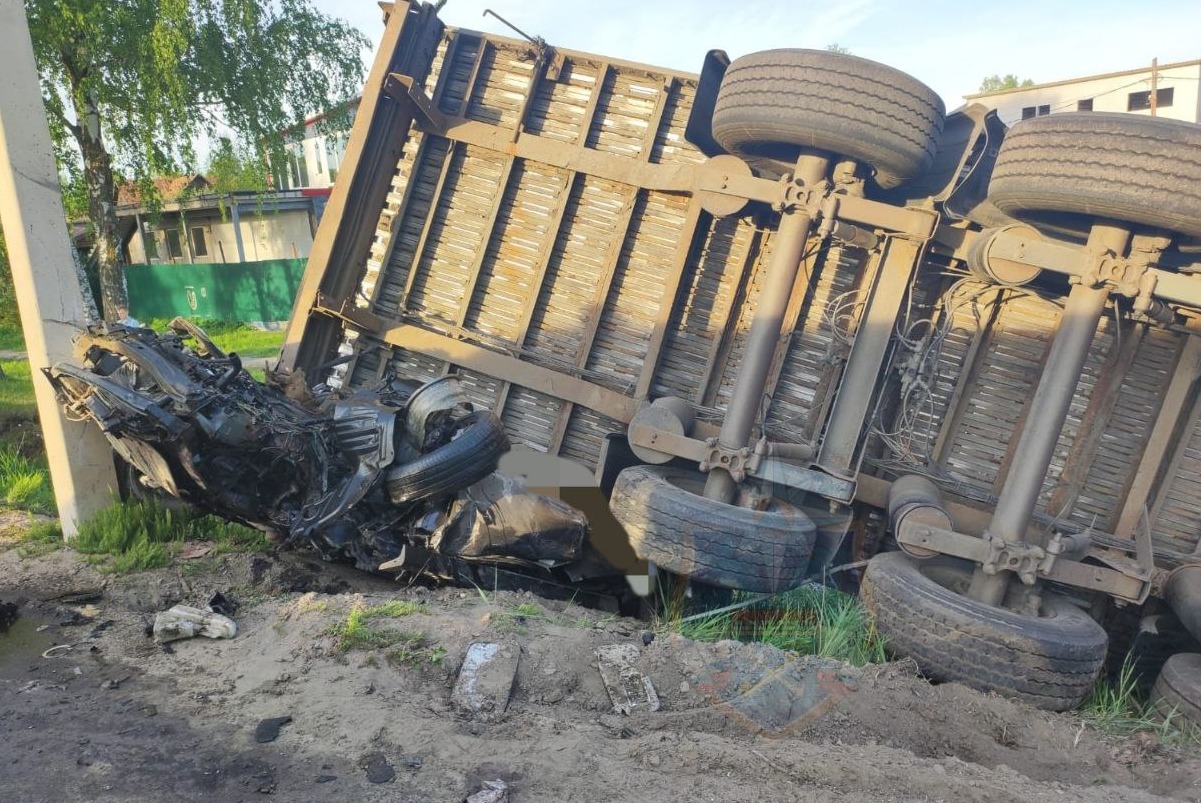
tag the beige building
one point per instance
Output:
(315, 156)
(193, 225)
(1166, 90)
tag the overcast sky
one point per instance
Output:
(949, 45)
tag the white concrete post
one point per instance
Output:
(47, 288)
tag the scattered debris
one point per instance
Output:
(628, 688)
(377, 767)
(268, 729)
(219, 603)
(491, 792)
(412, 761)
(768, 691)
(485, 681)
(184, 621)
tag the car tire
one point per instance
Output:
(1062, 171)
(1177, 691)
(922, 611)
(467, 458)
(774, 103)
(672, 525)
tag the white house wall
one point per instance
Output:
(1109, 93)
(285, 234)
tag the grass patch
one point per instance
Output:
(1115, 707)
(25, 482)
(353, 633)
(414, 648)
(140, 535)
(42, 538)
(357, 632)
(807, 620)
(12, 338)
(231, 336)
(393, 609)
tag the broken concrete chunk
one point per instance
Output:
(628, 688)
(491, 792)
(485, 681)
(184, 621)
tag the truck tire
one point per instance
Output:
(1061, 171)
(1049, 661)
(774, 103)
(1177, 692)
(672, 525)
(469, 457)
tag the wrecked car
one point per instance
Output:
(399, 478)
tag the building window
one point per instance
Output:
(1028, 112)
(1085, 105)
(1043, 110)
(199, 247)
(174, 246)
(150, 242)
(1141, 101)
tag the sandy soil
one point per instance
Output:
(115, 717)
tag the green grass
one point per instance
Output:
(356, 632)
(231, 336)
(393, 609)
(16, 389)
(12, 338)
(1115, 707)
(810, 621)
(414, 648)
(140, 535)
(42, 538)
(24, 482)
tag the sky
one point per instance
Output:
(950, 46)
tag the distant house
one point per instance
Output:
(314, 154)
(1164, 90)
(192, 224)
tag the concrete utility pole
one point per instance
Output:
(47, 287)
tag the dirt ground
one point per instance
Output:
(109, 715)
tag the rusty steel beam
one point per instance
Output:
(588, 118)
(503, 366)
(671, 289)
(613, 258)
(854, 397)
(674, 178)
(1047, 412)
(764, 336)
(719, 350)
(376, 142)
(1164, 433)
(1101, 405)
(800, 294)
(969, 372)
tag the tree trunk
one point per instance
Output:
(102, 206)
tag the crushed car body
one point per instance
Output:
(400, 479)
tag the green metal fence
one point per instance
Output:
(240, 291)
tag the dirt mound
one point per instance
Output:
(110, 715)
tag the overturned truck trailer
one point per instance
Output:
(797, 318)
